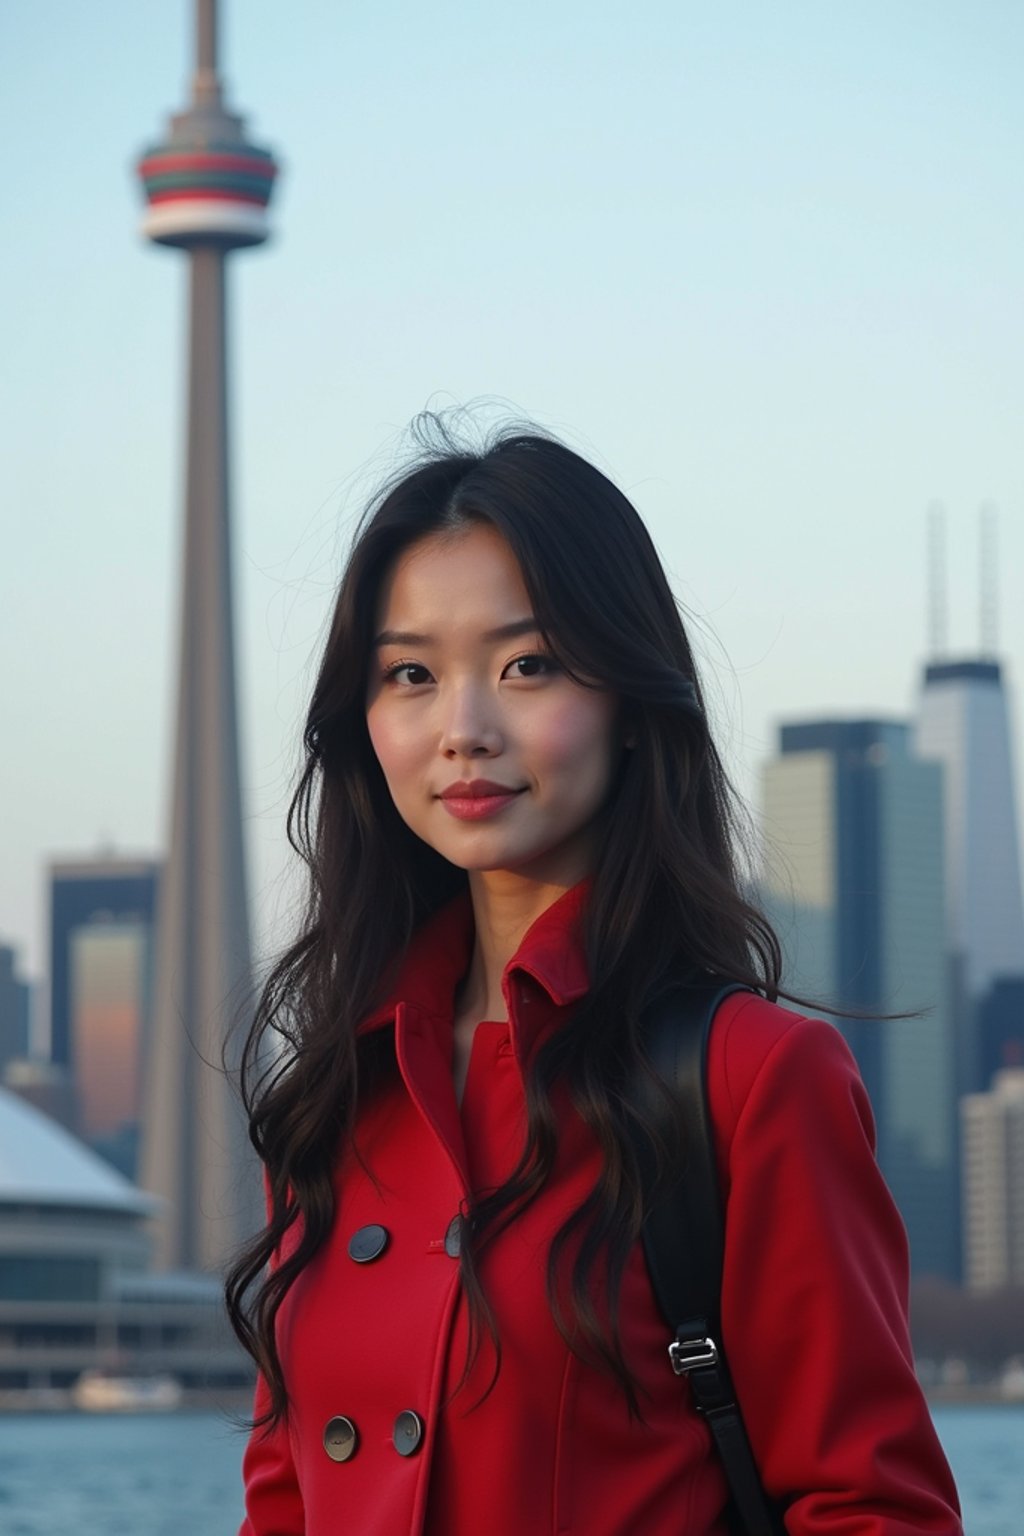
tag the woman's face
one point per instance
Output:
(492, 754)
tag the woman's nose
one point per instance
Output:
(470, 727)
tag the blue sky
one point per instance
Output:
(761, 262)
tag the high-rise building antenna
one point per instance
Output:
(938, 610)
(207, 189)
(988, 577)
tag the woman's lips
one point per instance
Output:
(478, 800)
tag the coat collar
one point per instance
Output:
(545, 975)
(550, 956)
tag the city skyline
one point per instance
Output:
(784, 344)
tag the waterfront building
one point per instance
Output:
(75, 1295)
(854, 882)
(993, 1182)
(207, 188)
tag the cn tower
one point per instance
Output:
(207, 190)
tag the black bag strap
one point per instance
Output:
(683, 1233)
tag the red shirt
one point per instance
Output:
(813, 1300)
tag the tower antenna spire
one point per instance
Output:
(206, 89)
(938, 609)
(988, 577)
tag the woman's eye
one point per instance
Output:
(534, 665)
(407, 673)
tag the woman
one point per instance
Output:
(517, 830)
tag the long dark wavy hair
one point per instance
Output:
(666, 895)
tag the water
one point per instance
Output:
(167, 1474)
(101, 1475)
(985, 1447)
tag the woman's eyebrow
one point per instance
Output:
(503, 632)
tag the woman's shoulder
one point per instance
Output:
(763, 1054)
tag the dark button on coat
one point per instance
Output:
(368, 1243)
(407, 1435)
(341, 1438)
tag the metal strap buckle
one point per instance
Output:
(691, 1354)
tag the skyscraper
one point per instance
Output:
(1000, 1027)
(14, 1009)
(963, 723)
(102, 914)
(993, 1182)
(102, 892)
(855, 885)
(207, 189)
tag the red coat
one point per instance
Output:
(813, 1302)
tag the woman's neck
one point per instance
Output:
(504, 907)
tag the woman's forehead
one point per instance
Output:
(466, 578)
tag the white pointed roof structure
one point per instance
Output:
(43, 1164)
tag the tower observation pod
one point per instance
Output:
(204, 187)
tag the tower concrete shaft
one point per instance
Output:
(207, 190)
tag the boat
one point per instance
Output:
(101, 1392)
(1011, 1382)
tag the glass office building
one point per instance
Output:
(855, 885)
(101, 949)
(963, 723)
